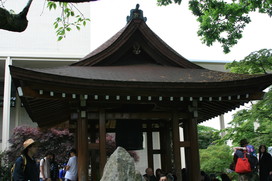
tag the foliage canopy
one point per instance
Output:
(223, 21)
(215, 159)
(254, 122)
(207, 136)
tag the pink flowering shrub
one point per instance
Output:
(57, 141)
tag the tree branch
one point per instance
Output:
(72, 1)
(14, 22)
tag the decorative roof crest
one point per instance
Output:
(136, 14)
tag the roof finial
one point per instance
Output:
(136, 14)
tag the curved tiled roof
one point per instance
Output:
(136, 31)
(146, 73)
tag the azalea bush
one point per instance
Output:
(57, 141)
(5, 167)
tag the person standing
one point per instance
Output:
(71, 167)
(54, 169)
(149, 175)
(45, 167)
(62, 172)
(26, 168)
(246, 148)
(265, 163)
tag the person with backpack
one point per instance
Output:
(246, 151)
(25, 168)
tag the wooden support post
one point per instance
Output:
(150, 159)
(94, 168)
(83, 163)
(194, 150)
(165, 148)
(102, 141)
(176, 146)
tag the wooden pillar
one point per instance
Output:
(102, 141)
(194, 172)
(83, 151)
(176, 146)
(165, 148)
(150, 159)
(94, 169)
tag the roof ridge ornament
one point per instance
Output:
(136, 14)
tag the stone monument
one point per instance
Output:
(121, 167)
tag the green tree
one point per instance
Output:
(70, 17)
(215, 159)
(223, 21)
(253, 123)
(207, 136)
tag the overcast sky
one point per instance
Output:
(177, 27)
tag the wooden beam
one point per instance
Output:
(102, 140)
(34, 91)
(141, 115)
(185, 144)
(176, 146)
(93, 146)
(83, 161)
(156, 152)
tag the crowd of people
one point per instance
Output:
(213, 177)
(260, 165)
(158, 176)
(46, 169)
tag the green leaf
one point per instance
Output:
(56, 25)
(60, 38)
